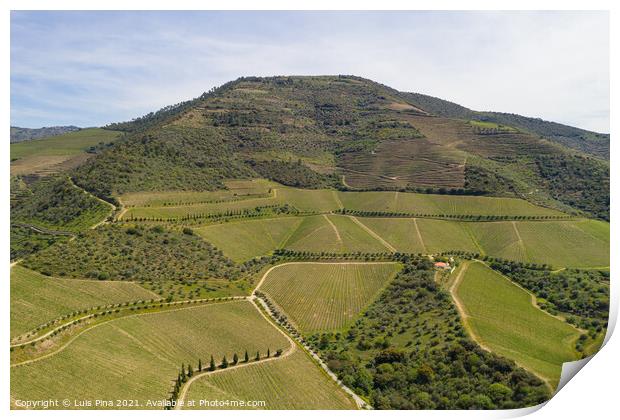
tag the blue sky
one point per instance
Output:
(91, 68)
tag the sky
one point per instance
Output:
(93, 68)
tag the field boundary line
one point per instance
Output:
(317, 359)
(335, 194)
(471, 235)
(519, 239)
(333, 227)
(283, 243)
(373, 234)
(417, 229)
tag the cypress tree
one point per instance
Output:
(246, 358)
(212, 364)
(199, 365)
(257, 356)
(224, 363)
(268, 352)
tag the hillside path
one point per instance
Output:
(333, 227)
(417, 230)
(373, 234)
(290, 350)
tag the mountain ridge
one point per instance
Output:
(23, 134)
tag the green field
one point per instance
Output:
(332, 233)
(36, 299)
(402, 234)
(68, 144)
(538, 242)
(242, 241)
(390, 201)
(138, 357)
(236, 190)
(310, 200)
(504, 319)
(325, 296)
(290, 383)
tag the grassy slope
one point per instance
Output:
(237, 189)
(242, 241)
(440, 204)
(309, 200)
(503, 318)
(539, 242)
(36, 299)
(148, 352)
(400, 233)
(316, 234)
(68, 144)
(320, 297)
(292, 383)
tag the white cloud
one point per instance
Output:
(114, 67)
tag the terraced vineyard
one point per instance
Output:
(503, 318)
(324, 296)
(307, 388)
(148, 352)
(36, 299)
(401, 163)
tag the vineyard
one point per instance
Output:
(503, 318)
(291, 383)
(148, 352)
(37, 298)
(321, 297)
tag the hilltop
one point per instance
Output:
(351, 133)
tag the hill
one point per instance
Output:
(351, 133)
(20, 133)
(596, 144)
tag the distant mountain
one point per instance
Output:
(20, 134)
(590, 142)
(356, 134)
